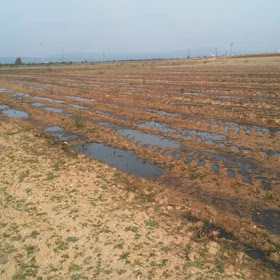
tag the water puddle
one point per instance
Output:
(264, 154)
(54, 129)
(230, 174)
(101, 112)
(261, 130)
(77, 106)
(246, 177)
(246, 167)
(141, 138)
(13, 113)
(194, 93)
(157, 126)
(166, 153)
(4, 107)
(138, 88)
(59, 133)
(110, 125)
(3, 90)
(224, 96)
(49, 99)
(80, 98)
(124, 160)
(189, 159)
(20, 95)
(159, 112)
(209, 137)
(201, 163)
(236, 129)
(39, 89)
(177, 156)
(270, 154)
(186, 137)
(215, 168)
(60, 101)
(37, 104)
(56, 110)
(51, 109)
(248, 128)
(52, 100)
(255, 254)
(235, 148)
(16, 83)
(232, 161)
(150, 140)
(51, 85)
(209, 142)
(258, 254)
(109, 114)
(265, 183)
(246, 150)
(270, 218)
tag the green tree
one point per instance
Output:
(18, 61)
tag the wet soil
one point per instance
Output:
(67, 216)
(13, 113)
(215, 133)
(124, 160)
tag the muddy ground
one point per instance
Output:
(191, 189)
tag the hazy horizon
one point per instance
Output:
(32, 29)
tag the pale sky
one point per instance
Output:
(136, 25)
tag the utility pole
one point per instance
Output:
(189, 53)
(216, 52)
(231, 44)
(43, 60)
(62, 55)
(226, 52)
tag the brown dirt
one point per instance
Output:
(64, 215)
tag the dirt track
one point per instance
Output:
(211, 125)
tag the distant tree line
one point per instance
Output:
(19, 62)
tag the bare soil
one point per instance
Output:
(68, 216)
